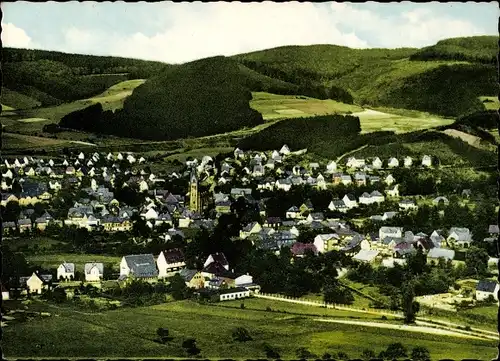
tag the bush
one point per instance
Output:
(304, 353)
(420, 353)
(394, 351)
(190, 346)
(368, 354)
(271, 352)
(241, 334)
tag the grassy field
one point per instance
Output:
(52, 261)
(20, 141)
(490, 103)
(43, 243)
(274, 106)
(398, 120)
(109, 334)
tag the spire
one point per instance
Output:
(194, 177)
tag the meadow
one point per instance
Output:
(109, 334)
(52, 261)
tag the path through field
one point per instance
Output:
(421, 329)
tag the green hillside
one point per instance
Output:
(478, 49)
(51, 78)
(203, 97)
(18, 100)
(388, 77)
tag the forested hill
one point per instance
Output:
(46, 78)
(476, 49)
(444, 79)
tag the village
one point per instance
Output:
(239, 184)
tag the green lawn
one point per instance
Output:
(274, 106)
(491, 103)
(52, 261)
(12, 141)
(111, 333)
(398, 120)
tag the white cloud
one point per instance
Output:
(189, 31)
(416, 28)
(15, 37)
(203, 30)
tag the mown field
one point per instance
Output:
(52, 261)
(110, 334)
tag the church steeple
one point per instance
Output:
(194, 194)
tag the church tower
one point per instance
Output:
(194, 192)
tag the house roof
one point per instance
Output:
(232, 290)
(493, 229)
(89, 266)
(441, 252)
(217, 269)
(299, 248)
(486, 286)
(173, 255)
(68, 267)
(366, 255)
(220, 258)
(142, 265)
(187, 274)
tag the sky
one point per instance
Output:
(181, 32)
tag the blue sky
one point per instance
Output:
(179, 32)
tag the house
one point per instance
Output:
(389, 180)
(459, 236)
(437, 239)
(345, 179)
(238, 153)
(407, 204)
(390, 262)
(251, 228)
(192, 278)
(273, 222)
(487, 288)
(377, 163)
(440, 200)
(393, 191)
(389, 232)
(366, 255)
(284, 150)
(393, 162)
(37, 282)
(94, 272)
(293, 213)
(66, 271)
(299, 249)
(436, 253)
(493, 230)
(5, 293)
(169, 262)
(360, 179)
(315, 217)
(352, 162)
(338, 205)
(350, 201)
(331, 167)
(219, 258)
(233, 293)
(408, 161)
(139, 266)
(326, 242)
(426, 161)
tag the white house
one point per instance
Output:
(233, 294)
(143, 186)
(243, 280)
(393, 232)
(407, 204)
(393, 162)
(389, 180)
(326, 242)
(352, 162)
(94, 272)
(460, 236)
(119, 156)
(150, 214)
(169, 262)
(66, 271)
(408, 161)
(8, 174)
(131, 159)
(219, 258)
(81, 155)
(285, 150)
(366, 255)
(377, 163)
(293, 212)
(139, 266)
(350, 201)
(485, 289)
(5, 293)
(36, 283)
(426, 161)
(331, 167)
(393, 191)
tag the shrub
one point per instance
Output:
(271, 352)
(420, 353)
(304, 353)
(241, 334)
(368, 354)
(190, 346)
